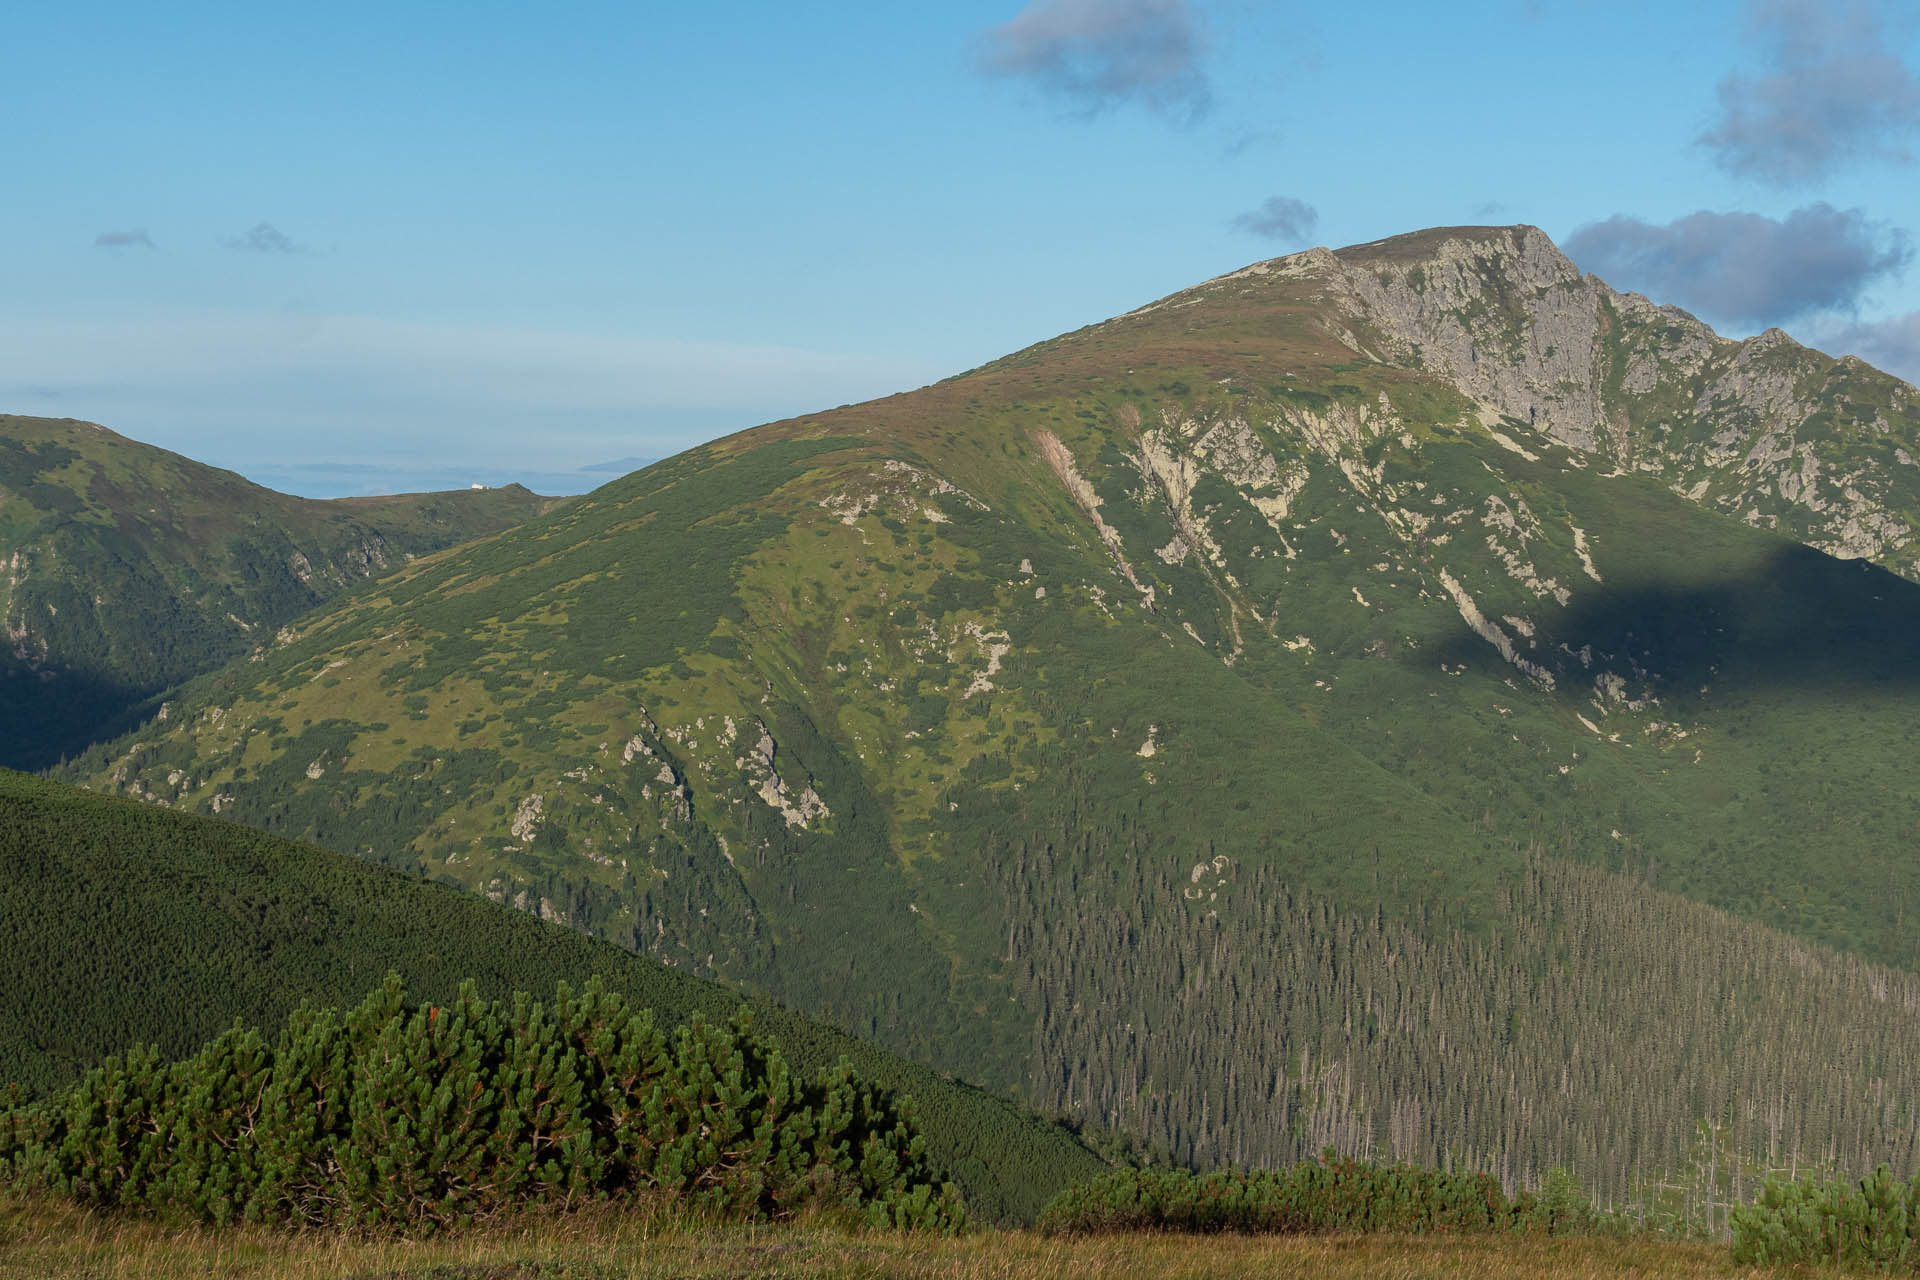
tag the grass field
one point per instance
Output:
(39, 1238)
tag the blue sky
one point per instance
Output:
(355, 247)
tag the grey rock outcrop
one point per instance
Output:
(1765, 429)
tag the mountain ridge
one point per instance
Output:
(125, 569)
(1583, 372)
(855, 709)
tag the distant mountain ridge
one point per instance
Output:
(1039, 723)
(125, 569)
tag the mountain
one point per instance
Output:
(1402, 697)
(125, 569)
(125, 924)
(1765, 430)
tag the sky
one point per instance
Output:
(362, 248)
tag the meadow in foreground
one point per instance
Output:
(43, 1237)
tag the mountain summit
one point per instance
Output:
(1396, 698)
(1764, 430)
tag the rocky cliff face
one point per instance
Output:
(1504, 316)
(1769, 431)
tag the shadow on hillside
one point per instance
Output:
(1805, 620)
(50, 716)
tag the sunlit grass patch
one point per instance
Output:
(56, 1240)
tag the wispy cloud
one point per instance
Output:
(522, 368)
(1280, 218)
(234, 387)
(1829, 93)
(1742, 268)
(137, 238)
(264, 238)
(1099, 54)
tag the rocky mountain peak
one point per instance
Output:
(1764, 430)
(1499, 311)
(1521, 253)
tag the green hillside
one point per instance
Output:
(124, 924)
(125, 569)
(1386, 577)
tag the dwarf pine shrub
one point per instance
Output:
(420, 1116)
(1874, 1222)
(1326, 1195)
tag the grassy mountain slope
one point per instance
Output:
(125, 569)
(1325, 568)
(125, 924)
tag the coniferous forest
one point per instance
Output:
(1599, 1024)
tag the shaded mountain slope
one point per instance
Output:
(1258, 572)
(124, 924)
(125, 569)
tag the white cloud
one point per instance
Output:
(1101, 53)
(1280, 218)
(264, 238)
(1744, 268)
(1830, 92)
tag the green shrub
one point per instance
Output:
(420, 1116)
(1874, 1222)
(1325, 1195)
(1562, 1207)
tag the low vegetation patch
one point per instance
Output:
(638, 1238)
(420, 1116)
(1872, 1223)
(1329, 1195)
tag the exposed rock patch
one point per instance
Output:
(1061, 461)
(526, 819)
(1493, 635)
(799, 808)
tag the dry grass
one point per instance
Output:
(54, 1240)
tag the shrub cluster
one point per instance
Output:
(1874, 1222)
(421, 1116)
(1325, 1195)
